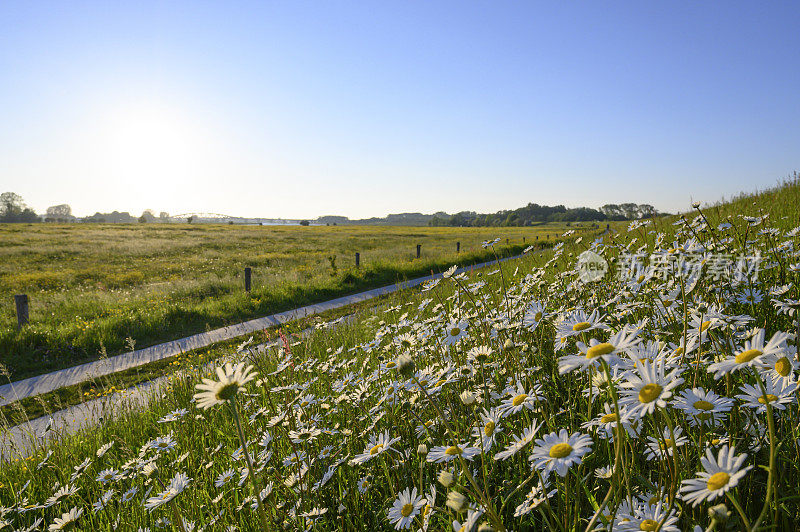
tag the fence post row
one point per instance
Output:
(247, 275)
(21, 301)
(358, 259)
(458, 247)
(419, 246)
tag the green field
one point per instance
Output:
(105, 287)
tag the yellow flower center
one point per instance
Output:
(648, 524)
(227, 391)
(649, 393)
(538, 316)
(390, 364)
(705, 325)
(783, 367)
(455, 331)
(375, 450)
(599, 350)
(718, 480)
(640, 279)
(703, 405)
(488, 429)
(560, 450)
(667, 443)
(581, 326)
(608, 418)
(746, 356)
(519, 399)
(679, 351)
(453, 450)
(764, 399)
(407, 509)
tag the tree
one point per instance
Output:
(11, 203)
(14, 210)
(163, 216)
(59, 211)
(304, 223)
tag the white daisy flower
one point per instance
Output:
(751, 354)
(559, 451)
(66, 521)
(377, 445)
(231, 380)
(777, 392)
(518, 442)
(647, 387)
(520, 398)
(451, 452)
(720, 474)
(703, 407)
(405, 508)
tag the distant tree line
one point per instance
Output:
(14, 210)
(533, 214)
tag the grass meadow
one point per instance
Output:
(663, 396)
(101, 288)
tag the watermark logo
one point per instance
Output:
(591, 266)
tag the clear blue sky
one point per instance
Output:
(299, 109)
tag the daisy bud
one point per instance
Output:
(422, 449)
(508, 344)
(467, 398)
(696, 204)
(405, 364)
(485, 527)
(446, 479)
(719, 513)
(456, 501)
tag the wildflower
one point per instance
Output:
(578, 322)
(456, 331)
(777, 393)
(231, 380)
(377, 445)
(451, 452)
(67, 520)
(591, 355)
(405, 508)
(469, 524)
(534, 315)
(446, 478)
(108, 475)
(456, 501)
(223, 478)
(659, 449)
(520, 398)
(559, 451)
(754, 349)
(720, 475)
(703, 407)
(176, 486)
(163, 443)
(518, 442)
(647, 387)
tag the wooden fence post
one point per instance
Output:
(21, 301)
(419, 246)
(358, 259)
(458, 247)
(247, 275)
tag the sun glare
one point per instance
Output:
(151, 145)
